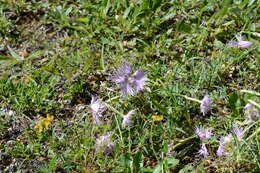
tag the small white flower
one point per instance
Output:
(205, 105)
(104, 144)
(97, 109)
(128, 118)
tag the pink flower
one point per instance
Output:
(127, 119)
(203, 151)
(203, 133)
(240, 43)
(222, 145)
(97, 109)
(251, 112)
(238, 131)
(129, 83)
(104, 144)
(205, 105)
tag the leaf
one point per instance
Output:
(168, 16)
(36, 54)
(232, 100)
(171, 162)
(138, 160)
(127, 12)
(186, 169)
(158, 168)
(4, 58)
(235, 102)
(14, 55)
(156, 4)
(102, 62)
(183, 27)
(83, 20)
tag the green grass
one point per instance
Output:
(55, 55)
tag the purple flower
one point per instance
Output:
(97, 109)
(251, 112)
(104, 144)
(205, 105)
(238, 131)
(127, 119)
(240, 43)
(129, 83)
(122, 73)
(203, 151)
(203, 133)
(232, 44)
(223, 142)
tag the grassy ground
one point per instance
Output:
(56, 55)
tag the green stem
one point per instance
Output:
(117, 123)
(188, 98)
(182, 142)
(151, 140)
(113, 98)
(249, 127)
(257, 131)
(250, 92)
(254, 103)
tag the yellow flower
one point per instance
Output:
(157, 118)
(39, 127)
(50, 117)
(44, 122)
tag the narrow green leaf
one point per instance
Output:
(158, 168)
(183, 27)
(102, 62)
(14, 55)
(3, 58)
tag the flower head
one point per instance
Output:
(238, 131)
(240, 43)
(251, 112)
(205, 105)
(203, 151)
(203, 133)
(127, 121)
(223, 144)
(104, 144)
(44, 123)
(157, 118)
(129, 83)
(97, 109)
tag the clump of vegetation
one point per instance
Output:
(129, 86)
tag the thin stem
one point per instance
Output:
(250, 92)
(113, 98)
(117, 123)
(151, 140)
(192, 99)
(182, 142)
(254, 103)
(188, 98)
(257, 131)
